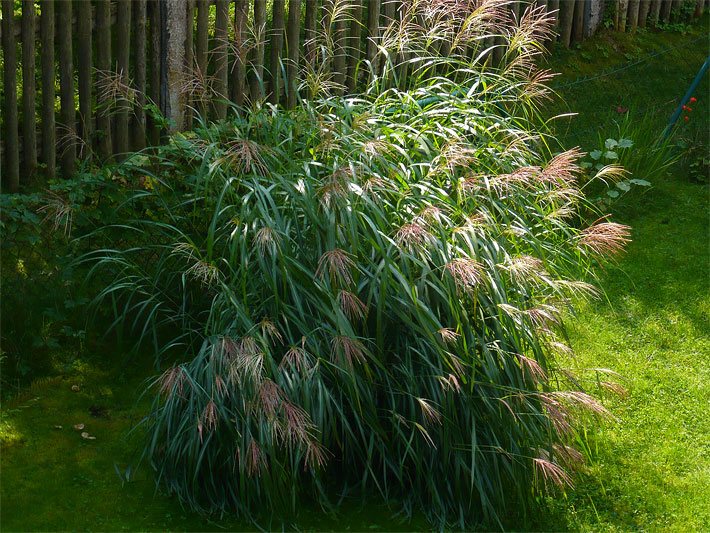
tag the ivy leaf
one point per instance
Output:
(613, 194)
(596, 154)
(610, 154)
(642, 183)
(611, 143)
(625, 143)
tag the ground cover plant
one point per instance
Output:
(365, 293)
(645, 472)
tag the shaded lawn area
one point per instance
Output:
(649, 469)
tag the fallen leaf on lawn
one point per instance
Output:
(58, 427)
(79, 427)
(85, 435)
(75, 388)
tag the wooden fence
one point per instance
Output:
(119, 54)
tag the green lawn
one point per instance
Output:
(647, 470)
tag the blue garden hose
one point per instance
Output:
(687, 96)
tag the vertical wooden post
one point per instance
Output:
(155, 67)
(622, 9)
(189, 57)
(293, 32)
(339, 53)
(666, 10)
(239, 74)
(633, 15)
(257, 80)
(654, 12)
(388, 11)
(11, 173)
(566, 19)
(373, 32)
(675, 10)
(354, 45)
(553, 7)
(276, 38)
(139, 74)
(310, 30)
(29, 133)
(578, 27)
(103, 66)
(49, 146)
(123, 49)
(175, 58)
(644, 8)
(66, 87)
(219, 51)
(201, 51)
(85, 76)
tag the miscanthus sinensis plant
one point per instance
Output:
(364, 295)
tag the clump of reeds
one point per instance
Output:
(374, 301)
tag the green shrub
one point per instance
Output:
(43, 301)
(365, 293)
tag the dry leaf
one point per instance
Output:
(79, 427)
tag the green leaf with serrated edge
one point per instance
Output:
(596, 154)
(610, 143)
(610, 154)
(625, 143)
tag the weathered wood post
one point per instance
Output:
(276, 39)
(11, 171)
(241, 17)
(123, 50)
(139, 73)
(29, 135)
(219, 51)
(103, 65)
(85, 77)
(66, 87)
(293, 31)
(175, 29)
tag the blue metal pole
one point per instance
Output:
(687, 96)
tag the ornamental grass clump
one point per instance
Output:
(364, 295)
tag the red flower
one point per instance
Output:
(693, 100)
(621, 109)
(685, 108)
(686, 118)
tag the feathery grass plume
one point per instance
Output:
(297, 357)
(337, 264)
(379, 286)
(58, 211)
(552, 472)
(605, 238)
(246, 156)
(347, 350)
(351, 305)
(467, 273)
(412, 234)
(115, 92)
(266, 241)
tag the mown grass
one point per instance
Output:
(648, 470)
